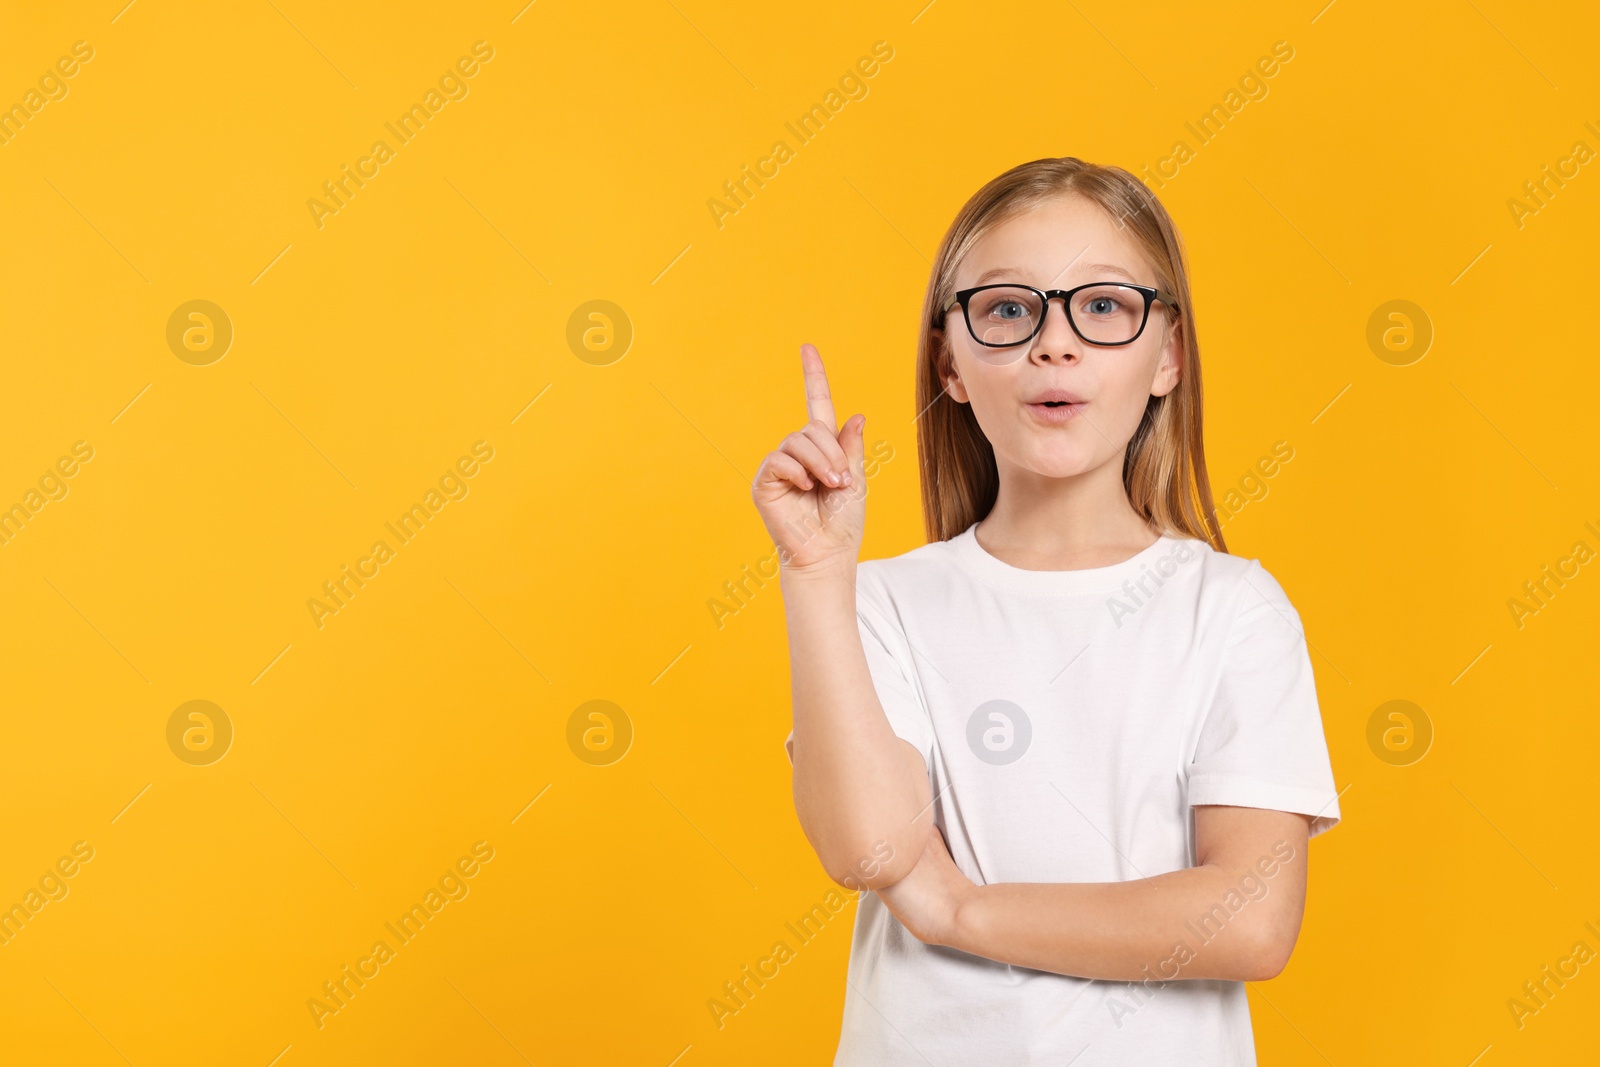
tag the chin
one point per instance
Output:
(1059, 463)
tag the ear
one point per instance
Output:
(945, 360)
(1170, 369)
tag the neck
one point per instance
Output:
(1045, 523)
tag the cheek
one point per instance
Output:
(991, 392)
(1127, 389)
(1126, 408)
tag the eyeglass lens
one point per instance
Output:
(1008, 315)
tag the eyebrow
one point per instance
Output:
(1104, 268)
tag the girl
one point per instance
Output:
(1071, 745)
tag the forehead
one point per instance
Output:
(1053, 242)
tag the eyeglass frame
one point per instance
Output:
(1150, 294)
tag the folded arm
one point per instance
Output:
(1234, 915)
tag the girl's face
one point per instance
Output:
(1063, 243)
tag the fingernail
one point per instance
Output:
(848, 481)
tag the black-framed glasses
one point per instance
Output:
(1107, 314)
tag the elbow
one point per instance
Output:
(881, 864)
(1269, 955)
(1264, 967)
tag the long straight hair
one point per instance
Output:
(1164, 467)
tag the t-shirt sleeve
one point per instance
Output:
(1262, 744)
(890, 662)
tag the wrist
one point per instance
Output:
(827, 570)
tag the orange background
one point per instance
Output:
(432, 311)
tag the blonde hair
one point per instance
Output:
(1164, 468)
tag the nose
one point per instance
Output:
(1056, 339)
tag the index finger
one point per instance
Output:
(819, 401)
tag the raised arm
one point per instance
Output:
(1234, 915)
(860, 791)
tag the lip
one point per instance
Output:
(1055, 415)
(1056, 394)
(1070, 406)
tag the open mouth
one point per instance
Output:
(1055, 411)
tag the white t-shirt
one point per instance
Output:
(1070, 720)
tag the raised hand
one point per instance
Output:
(811, 491)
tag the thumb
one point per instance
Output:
(853, 439)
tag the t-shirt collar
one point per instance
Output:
(995, 571)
